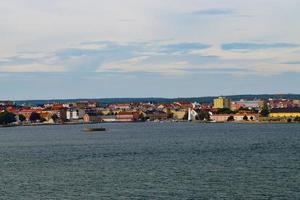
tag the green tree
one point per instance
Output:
(245, 118)
(230, 119)
(203, 115)
(186, 116)
(100, 113)
(7, 118)
(265, 111)
(34, 117)
(297, 119)
(225, 111)
(54, 117)
(22, 118)
(244, 109)
(142, 117)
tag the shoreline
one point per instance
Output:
(194, 122)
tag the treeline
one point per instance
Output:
(7, 118)
(163, 100)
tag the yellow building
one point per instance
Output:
(285, 112)
(178, 114)
(221, 103)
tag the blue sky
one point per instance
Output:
(142, 48)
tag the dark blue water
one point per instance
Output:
(151, 161)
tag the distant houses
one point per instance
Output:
(221, 109)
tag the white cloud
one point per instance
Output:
(138, 64)
(46, 27)
(35, 67)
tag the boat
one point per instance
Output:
(93, 129)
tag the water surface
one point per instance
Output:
(151, 161)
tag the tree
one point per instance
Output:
(297, 119)
(186, 116)
(100, 113)
(34, 117)
(225, 111)
(7, 118)
(245, 118)
(244, 109)
(289, 120)
(22, 118)
(265, 111)
(251, 118)
(230, 119)
(142, 117)
(203, 115)
(253, 110)
(54, 117)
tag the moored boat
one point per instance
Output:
(93, 129)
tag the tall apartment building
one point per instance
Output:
(221, 103)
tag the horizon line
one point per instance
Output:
(190, 97)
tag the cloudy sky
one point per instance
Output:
(148, 48)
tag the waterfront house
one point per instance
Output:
(156, 115)
(127, 116)
(236, 117)
(75, 114)
(108, 118)
(27, 112)
(92, 117)
(285, 112)
(179, 114)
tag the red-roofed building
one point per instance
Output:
(127, 116)
(184, 104)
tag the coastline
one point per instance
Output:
(195, 122)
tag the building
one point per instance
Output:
(184, 104)
(296, 103)
(86, 104)
(156, 115)
(192, 115)
(221, 102)
(27, 112)
(235, 106)
(119, 106)
(236, 117)
(75, 114)
(250, 104)
(127, 116)
(179, 114)
(285, 112)
(91, 117)
(6, 103)
(108, 118)
(281, 103)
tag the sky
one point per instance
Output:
(148, 48)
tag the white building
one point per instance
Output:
(75, 114)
